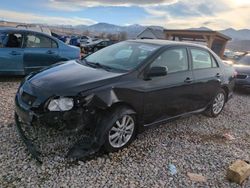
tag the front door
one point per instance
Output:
(11, 53)
(171, 95)
(40, 52)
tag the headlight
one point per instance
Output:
(61, 104)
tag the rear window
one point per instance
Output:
(202, 59)
(11, 40)
(39, 41)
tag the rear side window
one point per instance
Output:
(175, 60)
(39, 41)
(11, 40)
(202, 59)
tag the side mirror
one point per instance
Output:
(156, 71)
(1, 42)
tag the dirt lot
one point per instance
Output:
(193, 144)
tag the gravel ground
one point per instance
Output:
(194, 144)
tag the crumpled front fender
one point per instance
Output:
(102, 99)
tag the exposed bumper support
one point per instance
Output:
(30, 146)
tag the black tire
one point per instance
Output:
(211, 112)
(115, 116)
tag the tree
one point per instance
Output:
(86, 33)
(123, 36)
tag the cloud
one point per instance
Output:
(35, 18)
(187, 14)
(76, 5)
(172, 14)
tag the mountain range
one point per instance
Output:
(133, 30)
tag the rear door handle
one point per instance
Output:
(15, 53)
(188, 80)
(218, 75)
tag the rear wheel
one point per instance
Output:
(122, 131)
(217, 105)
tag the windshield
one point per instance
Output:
(123, 56)
(244, 60)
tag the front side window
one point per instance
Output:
(174, 60)
(10, 40)
(39, 41)
(214, 62)
(123, 56)
(201, 59)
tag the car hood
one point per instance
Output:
(70, 78)
(242, 68)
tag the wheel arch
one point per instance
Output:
(226, 90)
(122, 104)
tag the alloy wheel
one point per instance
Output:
(122, 131)
(218, 104)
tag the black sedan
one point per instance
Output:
(95, 46)
(119, 91)
(242, 68)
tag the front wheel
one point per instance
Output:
(122, 131)
(217, 105)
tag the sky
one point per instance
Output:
(171, 14)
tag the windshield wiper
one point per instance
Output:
(98, 65)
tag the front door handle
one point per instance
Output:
(188, 80)
(15, 53)
(50, 52)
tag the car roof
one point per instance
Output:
(11, 29)
(166, 43)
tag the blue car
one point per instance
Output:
(24, 51)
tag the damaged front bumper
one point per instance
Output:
(85, 143)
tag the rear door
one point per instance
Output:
(40, 51)
(171, 95)
(11, 53)
(207, 75)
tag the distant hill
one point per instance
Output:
(243, 34)
(240, 38)
(201, 29)
(239, 45)
(131, 30)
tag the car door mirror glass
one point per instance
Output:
(157, 71)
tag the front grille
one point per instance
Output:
(241, 76)
(27, 98)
